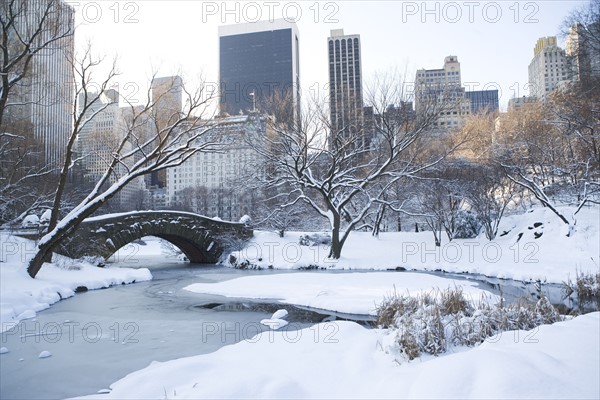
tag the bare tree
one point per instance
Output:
(540, 157)
(335, 172)
(185, 135)
(490, 194)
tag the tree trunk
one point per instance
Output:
(44, 254)
(378, 220)
(336, 246)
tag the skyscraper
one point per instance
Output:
(167, 108)
(583, 51)
(98, 141)
(260, 68)
(345, 84)
(166, 93)
(548, 68)
(43, 99)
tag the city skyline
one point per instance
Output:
(188, 40)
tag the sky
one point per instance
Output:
(493, 40)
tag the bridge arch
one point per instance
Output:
(201, 239)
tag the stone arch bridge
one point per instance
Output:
(201, 239)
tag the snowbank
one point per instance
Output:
(529, 247)
(345, 360)
(21, 296)
(351, 293)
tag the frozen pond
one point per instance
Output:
(99, 336)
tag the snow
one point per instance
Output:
(21, 296)
(351, 293)
(30, 220)
(276, 321)
(528, 251)
(45, 354)
(158, 213)
(280, 314)
(345, 360)
(3, 350)
(46, 216)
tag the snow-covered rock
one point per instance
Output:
(45, 354)
(280, 314)
(30, 221)
(3, 350)
(45, 218)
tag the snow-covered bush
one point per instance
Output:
(45, 218)
(315, 239)
(468, 225)
(30, 221)
(431, 322)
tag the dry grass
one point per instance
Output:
(586, 288)
(430, 322)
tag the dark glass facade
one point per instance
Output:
(260, 63)
(483, 101)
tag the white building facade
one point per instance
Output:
(440, 92)
(209, 182)
(548, 68)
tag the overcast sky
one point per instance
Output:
(493, 40)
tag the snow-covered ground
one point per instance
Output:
(531, 246)
(21, 296)
(342, 359)
(345, 360)
(351, 293)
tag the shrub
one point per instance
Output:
(467, 225)
(315, 239)
(430, 322)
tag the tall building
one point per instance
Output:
(582, 49)
(44, 98)
(99, 139)
(260, 66)
(439, 93)
(548, 68)
(167, 109)
(345, 85)
(483, 101)
(167, 96)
